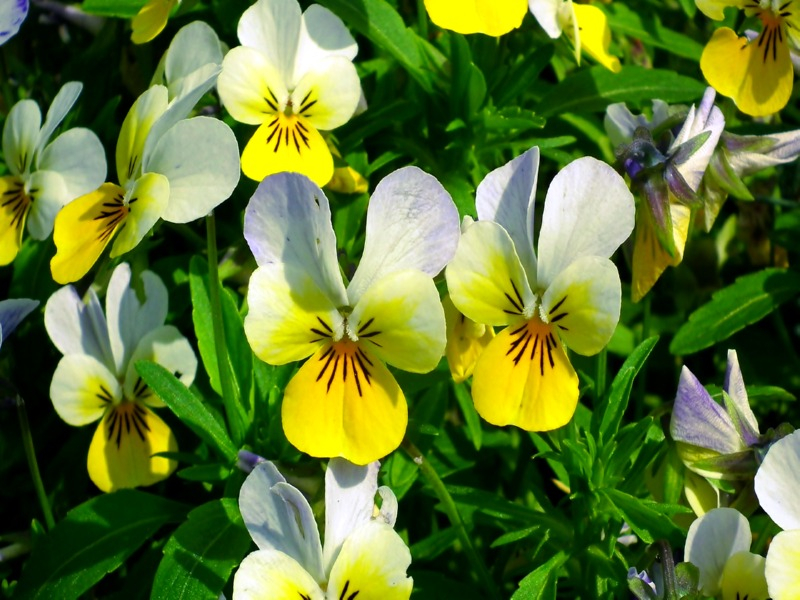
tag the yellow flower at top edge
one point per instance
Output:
(344, 401)
(293, 76)
(586, 26)
(151, 20)
(567, 295)
(756, 73)
(477, 16)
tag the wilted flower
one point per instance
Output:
(567, 295)
(718, 544)
(96, 378)
(293, 76)
(586, 26)
(665, 174)
(362, 555)
(778, 490)
(344, 401)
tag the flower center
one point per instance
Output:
(344, 359)
(112, 213)
(16, 203)
(124, 419)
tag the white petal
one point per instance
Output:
(82, 389)
(273, 28)
(78, 327)
(506, 196)
(279, 520)
(288, 220)
(250, 87)
(140, 119)
(328, 93)
(734, 386)
(272, 575)
(372, 564)
(546, 13)
(194, 46)
(61, 105)
(20, 135)
(78, 156)
(712, 540)
(620, 123)
(165, 346)
(777, 483)
(583, 302)
(707, 118)
(349, 502)
(128, 319)
(200, 158)
(588, 211)
(784, 148)
(12, 312)
(50, 196)
(12, 14)
(322, 34)
(412, 223)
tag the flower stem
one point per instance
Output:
(30, 454)
(602, 367)
(230, 392)
(452, 513)
(641, 379)
(422, 19)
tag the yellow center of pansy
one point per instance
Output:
(15, 204)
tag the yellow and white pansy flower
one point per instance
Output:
(477, 16)
(344, 401)
(96, 379)
(718, 544)
(778, 489)
(586, 26)
(756, 73)
(151, 20)
(293, 76)
(168, 167)
(568, 295)
(44, 176)
(362, 555)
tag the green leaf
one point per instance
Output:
(649, 520)
(200, 555)
(748, 300)
(123, 9)
(541, 583)
(648, 28)
(519, 79)
(188, 408)
(474, 429)
(613, 405)
(468, 88)
(377, 20)
(93, 539)
(592, 90)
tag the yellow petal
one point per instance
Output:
(83, 229)
(595, 35)
(14, 207)
(758, 75)
(524, 378)
(701, 495)
(121, 453)
(346, 180)
(151, 20)
(783, 566)
(477, 16)
(273, 575)
(743, 577)
(344, 402)
(650, 259)
(147, 201)
(287, 143)
(466, 340)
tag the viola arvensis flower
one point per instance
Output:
(568, 295)
(718, 544)
(293, 76)
(168, 167)
(778, 489)
(362, 556)
(756, 73)
(586, 26)
(477, 16)
(44, 176)
(12, 14)
(344, 401)
(96, 378)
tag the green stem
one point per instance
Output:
(668, 568)
(641, 379)
(30, 454)
(422, 19)
(602, 367)
(451, 510)
(230, 392)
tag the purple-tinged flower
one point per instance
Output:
(12, 14)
